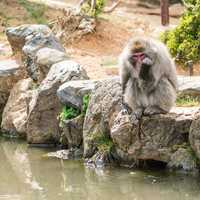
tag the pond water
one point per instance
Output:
(26, 174)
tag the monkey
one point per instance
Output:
(148, 77)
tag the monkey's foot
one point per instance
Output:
(153, 110)
(126, 109)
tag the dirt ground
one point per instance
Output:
(97, 52)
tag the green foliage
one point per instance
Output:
(187, 100)
(36, 11)
(68, 113)
(184, 41)
(86, 8)
(102, 142)
(86, 99)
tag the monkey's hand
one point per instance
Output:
(137, 113)
(147, 61)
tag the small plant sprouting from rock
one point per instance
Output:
(86, 99)
(187, 100)
(69, 113)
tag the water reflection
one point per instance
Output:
(26, 175)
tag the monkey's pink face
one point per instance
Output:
(138, 57)
(136, 61)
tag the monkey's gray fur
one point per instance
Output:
(149, 87)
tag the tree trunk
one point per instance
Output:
(164, 4)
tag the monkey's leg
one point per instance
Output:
(153, 110)
(137, 113)
(161, 99)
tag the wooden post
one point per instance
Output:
(164, 5)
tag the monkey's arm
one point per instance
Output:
(124, 76)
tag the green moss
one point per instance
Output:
(35, 11)
(187, 100)
(103, 143)
(184, 41)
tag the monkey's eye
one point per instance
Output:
(138, 56)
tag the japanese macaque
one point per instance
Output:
(148, 77)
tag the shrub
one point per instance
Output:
(86, 8)
(69, 112)
(184, 41)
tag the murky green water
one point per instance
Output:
(26, 175)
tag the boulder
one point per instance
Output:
(15, 113)
(72, 132)
(45, 58)
(104, 105)
(108, 127)
(71, 93)
(10, 73)
(43, 125)
(189, 85)
(27, 40)
(31, 48)
(194, 136)
(17, 36)
(183, 159)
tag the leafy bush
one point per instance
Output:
(70, 112)
(86, 8)
(184, 41)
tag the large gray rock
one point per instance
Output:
(45, 58)
(104, 104)
(17, 36)
(153, 138)
(15, 113)
(189, 85)
(27, 40)
(72, 132)
(183, 159)
(30, 49)
(195, 135)
(43, 125)
(71, 93)
(10, 73)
